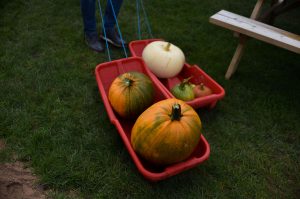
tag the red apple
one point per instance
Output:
(201, 90)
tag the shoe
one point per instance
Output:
(93, 42)
(113, 37)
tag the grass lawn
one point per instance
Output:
(53, 117)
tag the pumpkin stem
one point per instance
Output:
(176, 112)
(202, 86)
(167, 47)
(128, 82)
(185, 81)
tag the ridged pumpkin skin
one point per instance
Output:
(163, 140)
(130, 94)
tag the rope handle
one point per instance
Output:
(102, 21)
(104, 30)
(117, 24)
(139, 3)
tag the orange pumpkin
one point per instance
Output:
(167, 132)
(130, 94)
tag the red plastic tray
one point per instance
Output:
(105, 74)
(136, 47)
(199, 76)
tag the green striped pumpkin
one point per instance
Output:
(130, 94)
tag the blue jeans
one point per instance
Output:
(88, 11)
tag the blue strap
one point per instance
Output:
(138, 3)
(119, 31)
(106, 43)
(138, 19)
(104, 30)
(146, 19)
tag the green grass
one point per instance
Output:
(52, 115)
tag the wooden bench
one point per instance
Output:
(255, 29)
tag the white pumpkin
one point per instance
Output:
(164, 59)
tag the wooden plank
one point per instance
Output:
(258, 30)
(255, 13)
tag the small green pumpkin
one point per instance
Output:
(184, 90)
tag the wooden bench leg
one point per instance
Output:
(240, 48)
(236, 57)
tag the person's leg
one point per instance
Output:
(88, 15)
(89, 23)
(110, 22)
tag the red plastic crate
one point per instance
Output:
(136, 47)
(199, 76)
(105, 74)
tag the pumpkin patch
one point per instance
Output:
(130, 94)
(167, 132)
